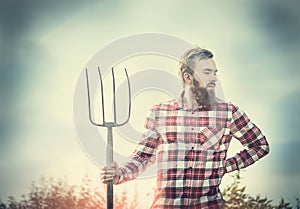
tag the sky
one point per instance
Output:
(45, 46)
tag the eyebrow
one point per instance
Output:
(207, 69)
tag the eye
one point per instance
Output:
(206, 72)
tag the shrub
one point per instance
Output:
(235, 197)
(58, 194)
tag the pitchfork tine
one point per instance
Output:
(129, 99)
(89, 100)
(114, 94)
(102, 97)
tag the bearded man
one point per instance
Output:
(190, 137)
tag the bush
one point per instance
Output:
(235, 197)
(58, 194)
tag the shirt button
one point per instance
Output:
(192, 129)
(193, 112)
(192, 147)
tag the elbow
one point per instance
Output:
(263, 147)
(266, 147)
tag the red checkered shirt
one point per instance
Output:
(190, 146)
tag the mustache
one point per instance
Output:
(211, 84)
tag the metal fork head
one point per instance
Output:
(104, 122)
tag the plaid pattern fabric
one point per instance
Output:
(190, 147)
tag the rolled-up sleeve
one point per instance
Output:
(144, 154)
(250, 137)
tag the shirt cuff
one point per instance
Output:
(231, 164)
(121, 177)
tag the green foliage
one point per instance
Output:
(58, 194)
(235, 197)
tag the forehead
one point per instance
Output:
(202, 64)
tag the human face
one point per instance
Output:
(205, 72)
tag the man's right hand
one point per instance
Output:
(109, 173)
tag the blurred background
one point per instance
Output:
(44, 46)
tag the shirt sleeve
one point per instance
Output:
(250, 137)
(144, 154)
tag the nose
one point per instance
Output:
(213, 78)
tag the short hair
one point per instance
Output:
(186, 63)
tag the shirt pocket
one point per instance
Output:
(172, 150)
(209, 138)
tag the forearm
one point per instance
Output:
(246, 157)
(144, 154)
(134, 167)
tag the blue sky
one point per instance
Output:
(45, 45)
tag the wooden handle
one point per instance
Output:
(109, 160)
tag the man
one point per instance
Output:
(190, 137)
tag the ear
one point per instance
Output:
(187, 78)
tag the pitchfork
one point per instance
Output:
(109, 125)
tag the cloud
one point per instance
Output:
(285, 152)
(288, 119)
(281, 19)
(287, 158)
(18, 51)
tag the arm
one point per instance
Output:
(250, 136)
(144, 154)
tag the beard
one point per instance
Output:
(202, 95)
